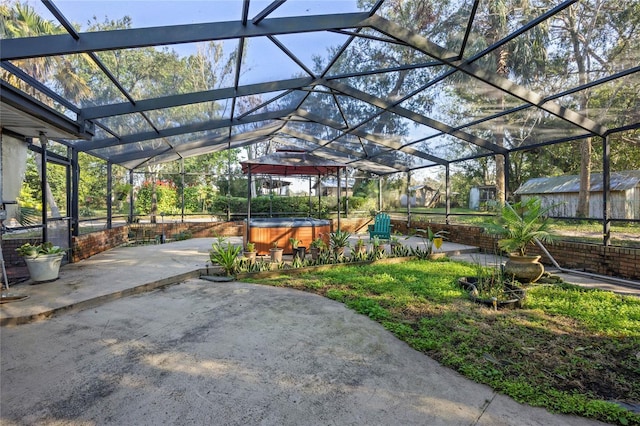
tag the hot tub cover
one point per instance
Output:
(285, 222)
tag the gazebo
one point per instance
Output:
(288, 163)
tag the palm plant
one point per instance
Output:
(339, 239)
(521, 225)
(225, 255)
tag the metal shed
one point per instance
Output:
(562, 191)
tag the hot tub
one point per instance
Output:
(264, 231)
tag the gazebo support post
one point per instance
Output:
(310, 204)
(248, 208)
(338, 175)
(270, 196)
(319, 196)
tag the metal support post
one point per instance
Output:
(109, 194)
(43, 184)
(75, 193)
(606, 183)
(182, 189)
(131, 200)
(447, 185)
(408, 200)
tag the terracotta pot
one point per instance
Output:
(276, 254)
(526, 269)
(250, 255)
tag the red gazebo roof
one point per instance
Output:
(289, 163)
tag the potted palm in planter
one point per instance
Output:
(519, 226)
(43, 260)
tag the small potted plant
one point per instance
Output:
(317, 246)
(276, 252)
(250, 252)
(377, 247)
(432, 240)
(394, 241)
(298, 251)
(360, 247)
(339, 240)
(43, 260)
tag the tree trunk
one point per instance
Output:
(582, 209)
(585, 179)
(499, 159)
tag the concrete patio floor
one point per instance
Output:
(220, 353)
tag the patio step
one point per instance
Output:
(464, 250)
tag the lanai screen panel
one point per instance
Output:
(397, 86)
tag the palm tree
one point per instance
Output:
(21, 20)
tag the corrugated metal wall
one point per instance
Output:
(623, 204)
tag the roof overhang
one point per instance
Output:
(24, 115)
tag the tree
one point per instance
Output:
(21, 20)
(594, 38)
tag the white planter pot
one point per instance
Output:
(45, 267)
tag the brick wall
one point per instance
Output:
(85, 246)
(613, 261)
(9, 254)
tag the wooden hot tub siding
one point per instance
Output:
(264, 237)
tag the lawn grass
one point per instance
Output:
(570, 350)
